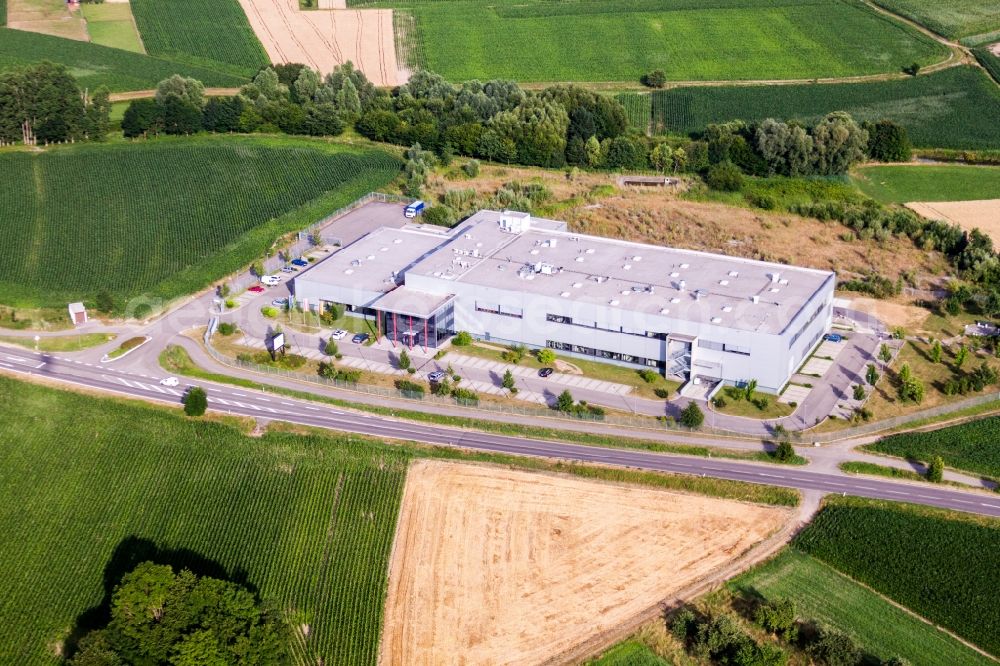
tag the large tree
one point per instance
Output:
(162, 617)
(43, 100)
(838, 144)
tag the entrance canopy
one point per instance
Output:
(408, 302)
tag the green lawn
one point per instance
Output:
(971, 446)
(95, 65)
(592, 40)
(735, 404)
(62, 343)
(952, 18)
(955, 108)
(111, 24)
(629, 653)
(821, 593)
(86, 218)
(900, 184)
(941, 565)
(91, 484)
(213, 33)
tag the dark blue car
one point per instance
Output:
(300, 262)
(833, 337)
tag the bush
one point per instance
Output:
(227, 328)
(661, 393)
(404, 360)
(471, 168)
(462, 339)
(725, 177)
(935, 471)
(514, 354)
(545, 356)
(692, 416)
(441, 216)
(331, 348)
(784, 451)
(648, 376)
(779, 618)
(655, 79)
(269, 311)
(833, 648)
(195, 401)
(465, 396)
(230, 304)
(410, 389)
(565, 402)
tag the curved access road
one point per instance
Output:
(267, 406)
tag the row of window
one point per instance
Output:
(724, 347)
(804, 326)
(563, 319)
(600, 353)
(502, 310)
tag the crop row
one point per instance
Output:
(209, 30)
(954, 18)
(637, 109)
(308, 522)
(942, 567)
(94, 65)
(110, 217)
(970, 446)
(468, 39)
(955, 108)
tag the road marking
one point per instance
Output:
(239, 395)
(288, 404)
(263, 399)
(315, 409)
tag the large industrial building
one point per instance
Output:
(511, 278)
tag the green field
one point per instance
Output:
(94, 65)
(951, 18)
(593, 40)
(111, 24)
(821, 593)
(200, 33)
(955, 108)
(900, 184)
(940, 565)
(80, 219)
(307, 521)
(629, 653)
(988, 60)
(970, 446)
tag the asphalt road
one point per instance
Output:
(270, 406)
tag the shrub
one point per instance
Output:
(692, 416)
(935, 471)
(441, 216)
(269, 311)
(410, 389)
(655, 79)
(514, 354)
(648, 376)
(725, 177)
(760, 402)
(471, 168)
(661, 393)
(227, 328)
(545, 356)
(833, 648)
(230, 304)
(859, 392)
(331, 348)
(465, 396)
(565, 402)
(195, 401)
(779, 618)
(784, 451)
(404, 360)
(462, 339)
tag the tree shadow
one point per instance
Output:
(128, 554)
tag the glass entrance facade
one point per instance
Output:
(411, 331)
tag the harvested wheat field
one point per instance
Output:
(498, 566)
(49, 17)
(324, 38)
(983, 215)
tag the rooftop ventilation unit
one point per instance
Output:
(625, 292)
(724, 283)
(397, 241)
(774, 290)
(580, 259)
(685, 266)
(675, 274)
(675, 300)
(627, 267)
(637, 258)
(534, 252)
(348, 271)
(599, 279)
(755, 298)
(682, 285)
(356, 262)
(514, 223)
(734, 274)
(783, 281)
(589, 250)
(716, 320)
(552, 242)
(383, 249)
(565, 294)
(370, 257)
(613, 302)
(697, 294)
(664, 310)
(545, 269)
(775, 277)
(727, 308)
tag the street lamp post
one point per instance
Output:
(37, 338)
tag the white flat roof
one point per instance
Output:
(682, 284)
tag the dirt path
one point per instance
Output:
(492, 565)
(144, 94)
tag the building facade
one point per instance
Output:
(511, 278)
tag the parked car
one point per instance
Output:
(289, 269)
(545, 372)
(270, 280)
(833, 337)
(360, 338)
(169, 381)
(300, 262)
(437, 375)
(256, 289)
(339, 334)
(279, 302)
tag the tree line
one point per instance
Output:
(42, 103)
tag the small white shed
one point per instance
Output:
(77, 314)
